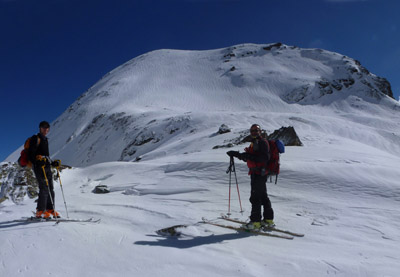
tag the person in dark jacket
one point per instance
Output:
(40, 158)
(257, 156)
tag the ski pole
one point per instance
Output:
(237, 186)
(62, 190)
(229, 170)
(48, 187)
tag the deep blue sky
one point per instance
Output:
(52, 51)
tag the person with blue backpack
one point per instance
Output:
(262, 163)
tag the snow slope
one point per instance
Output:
(345, 202)
(340, 189)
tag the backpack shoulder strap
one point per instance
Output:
(37, 139)
(28, 142)
(268, 148)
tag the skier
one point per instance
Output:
(257, 156)
(39, 156)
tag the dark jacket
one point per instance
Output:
(34, 149)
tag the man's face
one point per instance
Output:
(44, 131)
(254, 132)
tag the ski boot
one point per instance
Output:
(54, 213)
(39, 214)
(252, 225)
(46, 214)
(268, 223)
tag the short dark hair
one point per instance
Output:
(44, 124)
(255, 126)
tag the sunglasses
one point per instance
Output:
(254, 131)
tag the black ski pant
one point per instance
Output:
(259, 197)
(46, 189)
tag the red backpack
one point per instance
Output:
(23, 159)
(276, 147)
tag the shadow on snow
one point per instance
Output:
(184, 243)
(19, 223)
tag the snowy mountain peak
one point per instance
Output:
(162, 101)
(215, 79)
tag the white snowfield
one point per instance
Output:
(341, 189)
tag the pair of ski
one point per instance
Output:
(268, 232)
(265, 231)
(58, 220)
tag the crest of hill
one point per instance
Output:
(237, 77)
(146, 105)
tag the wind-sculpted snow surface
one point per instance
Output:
(342, 195)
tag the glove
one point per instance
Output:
(56, 163)
(41, 161)
(242, 156)
(233, 153)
